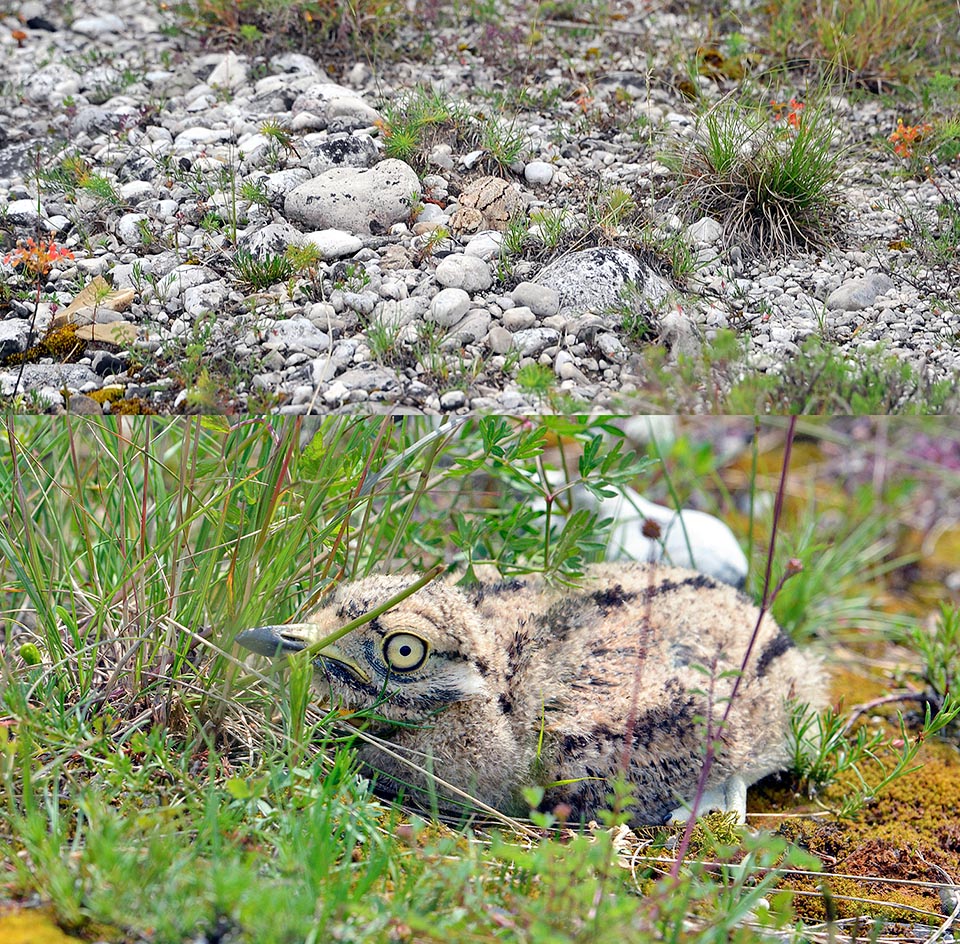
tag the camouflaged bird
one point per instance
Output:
(495, 687)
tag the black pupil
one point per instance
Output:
(405, 650)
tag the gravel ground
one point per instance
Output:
(144, 154)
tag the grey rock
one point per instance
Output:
(334, 243)
(203, 298)
(473, 327)
(705, 232)
(325, 151)
(466, 272)
(542, 300)
(611, 347)
(516, 319)
(532, 341)
(453, 400)
(36, 376)
(857, 294)
(278, 184)
(82, 405)
(129, 228)
(485, 244)
(538, 173)
(327, 101)
(679, 334)
(595, 279)
(370, 378)
(102, 25)
(14, 336)
(449, 306)
(24, 213)
(499, 340)
(356, 199)
(230, 72)
(50, 82)
(104, 363)
(299, 334)
(270, 240)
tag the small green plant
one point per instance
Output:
(382, 338)
(536, 379)
(939, 648)
(550, 226)
(212, 222)
(504, 141)
(100, 187)
(262, 273)
(351, 277)
(824, 749)
(254, 192)
(637, 324)
(410, 123)
(613, 209)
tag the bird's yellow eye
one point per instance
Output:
(404, 652)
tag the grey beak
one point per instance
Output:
(269, 641)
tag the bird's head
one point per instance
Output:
(415, 659)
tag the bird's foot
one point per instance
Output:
(729, 797)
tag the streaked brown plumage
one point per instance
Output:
(500, 686)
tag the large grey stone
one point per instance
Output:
(270, 240)
(595, 279)
(449, 306)
(327, 101)
(466, 272)
(323, 152)
(356, 199)
(857, 294)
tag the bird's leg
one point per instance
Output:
(729, 797)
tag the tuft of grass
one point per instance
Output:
(774, 185)
(262, 273)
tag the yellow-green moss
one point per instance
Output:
(62, 344)
(110, 394)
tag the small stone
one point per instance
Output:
(23, 213)
(230, 72)
(132, 228)
(540, 299)
(473, 327)
(532, 341)
(499, 340)
(270, 240)
(538, 173)
(705, 232)
(334, 243)
(95, 26)
(466, 272)
(484, 245)
(516, 319)
(449, 306)
(452, 400)
(857, 294)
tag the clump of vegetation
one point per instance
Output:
(823, 378)
(771, 178)
(262, 272)
(873, 43)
